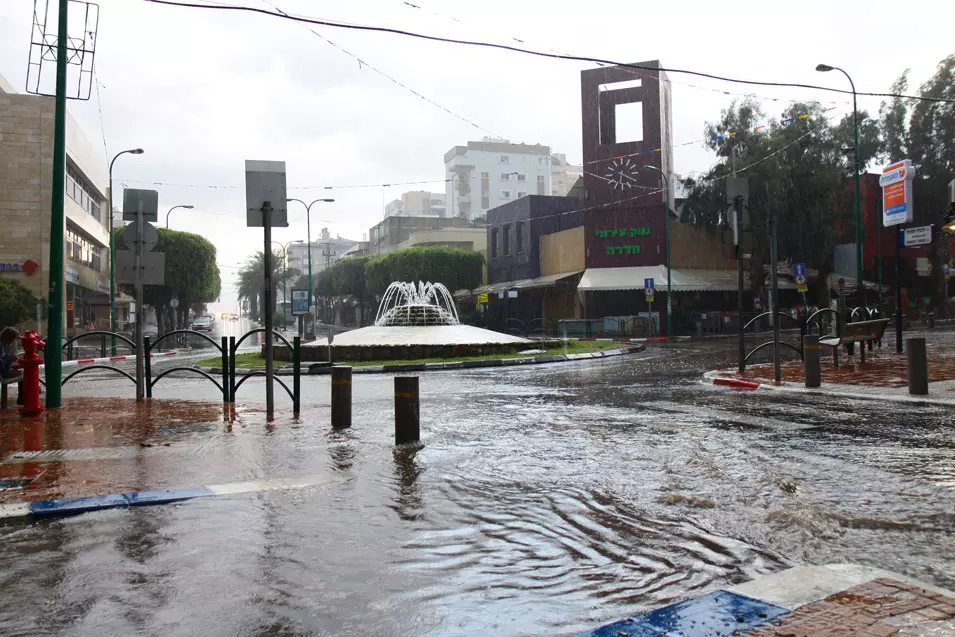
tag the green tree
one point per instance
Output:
(192, 275)
(17, 304)
(924, 131)
(797, 172)
(252, 281)
(457, 269)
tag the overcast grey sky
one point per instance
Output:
(201, 91)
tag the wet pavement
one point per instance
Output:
(543, 500)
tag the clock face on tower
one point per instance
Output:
(622, 174)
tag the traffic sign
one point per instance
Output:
(799, 270)
(174, 303)
(919, 236)
(650, 296)
(150, 236)
(896, 182)
(137, 200)
(648, 284)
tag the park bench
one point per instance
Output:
(858, 332)
(3, 388)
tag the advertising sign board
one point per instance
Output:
(299, 301)
(896, 182)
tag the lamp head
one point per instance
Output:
(823, 68)
(189, 206)
(327, 200)
(137, 151)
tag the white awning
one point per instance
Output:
(544, 281)
(681, 280)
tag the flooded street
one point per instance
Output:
(543, 500)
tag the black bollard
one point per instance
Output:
(341, 397)
(918, 366)
(407, 427)
(810, 353)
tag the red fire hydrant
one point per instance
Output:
(30, 363)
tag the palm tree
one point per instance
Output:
(252, 280)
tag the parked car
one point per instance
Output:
(202, 324)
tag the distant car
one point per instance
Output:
(202, 324)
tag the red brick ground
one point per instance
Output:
(878, 608)
(883, 367)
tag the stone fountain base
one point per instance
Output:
(409, 343)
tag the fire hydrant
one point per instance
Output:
(30, 363)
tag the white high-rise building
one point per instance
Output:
(492, 172)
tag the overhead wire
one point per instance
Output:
(362, 62)
(526, 51)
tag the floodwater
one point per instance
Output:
(542, 500)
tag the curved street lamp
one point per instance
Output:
(308, 242)
(284, 247)
(112, 249)
(666, 217)
(186, 206)
(825, 68)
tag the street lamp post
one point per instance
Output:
(308, 244)
(666, 218)
(284, 247)
(825, 68)
(186, 206)
(112, 251)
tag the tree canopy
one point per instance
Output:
(17, 304)
(251, 284)
(456, 268)
(191, 275)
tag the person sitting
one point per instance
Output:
(9, 365)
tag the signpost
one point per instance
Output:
(648, 291)
(896, 182)
(140, 266)
(799, 274)
(918, 236)
(265, 204)
(299, 301)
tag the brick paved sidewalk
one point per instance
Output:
(878, 608)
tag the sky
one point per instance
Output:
(201, 91)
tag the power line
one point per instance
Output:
(362, 62)
(516, 49)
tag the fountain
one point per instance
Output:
(414, 320)
(405, 304)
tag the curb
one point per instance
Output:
(428, 367)
(828, 389)
(73, 506)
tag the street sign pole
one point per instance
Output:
(898, 288)
(738, 205)
(269, 308)
(140, 322)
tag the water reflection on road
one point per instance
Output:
(543, 500)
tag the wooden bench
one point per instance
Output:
(3, 388)
(858, 332)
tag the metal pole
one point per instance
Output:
(855, 128)
(898, 289)
(666, 222)
(54, 363)
(341, 397)
(917, 366)
(269, 303)
(738, 203)
(775, 302)
(112, 265)
(308, 248)
(407, 410)
(140, 314)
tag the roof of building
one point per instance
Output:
(498, 147)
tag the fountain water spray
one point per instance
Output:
(421, 304)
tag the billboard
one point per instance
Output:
(896, 182)
(299, 301)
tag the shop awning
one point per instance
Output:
(544, 281)
(849, 284)
(494, 288)
(681, 280)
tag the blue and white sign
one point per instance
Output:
(648, 284)
(799, 270)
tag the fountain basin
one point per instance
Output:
(394, 342)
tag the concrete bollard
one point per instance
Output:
(810, 354)
(341, 397)
(918, 366)
(407, 428)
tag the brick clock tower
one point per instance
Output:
(626, 126)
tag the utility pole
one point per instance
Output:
(54, 364)
(738, 205)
